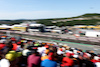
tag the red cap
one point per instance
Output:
(34, 47)
(46, 46)
(18, 42)
(13, 39)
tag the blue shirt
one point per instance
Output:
(48, 63)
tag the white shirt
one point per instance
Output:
(97, 64)
(60, 52)
(4, 63)
(41, 50)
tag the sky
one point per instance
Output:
(44, 9)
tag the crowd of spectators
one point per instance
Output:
(18, 52)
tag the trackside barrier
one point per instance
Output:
(76, 39)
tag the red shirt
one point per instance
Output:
(2, 46)
(14, 46)
(94, 61)
(67, 62)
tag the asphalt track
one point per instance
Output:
(71, 44)
(84, 47)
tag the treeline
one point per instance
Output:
(10, 22)
(93, 21)
(48, 22)
(70, 23)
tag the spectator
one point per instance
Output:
(4, 62)
(8, 47)
(67, 61)
(24, 53)
(49, 62)
(45, 55)
(34, 60)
